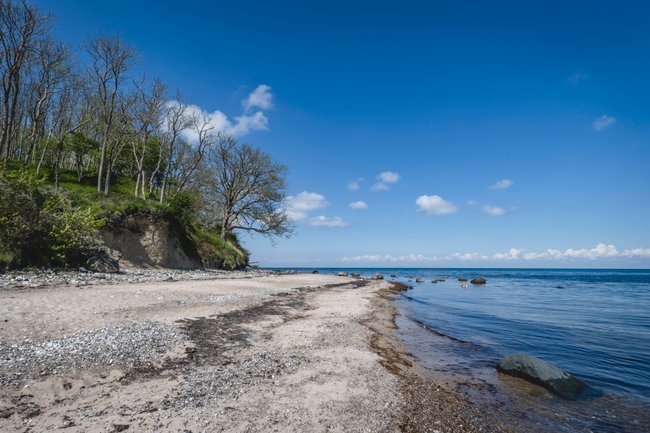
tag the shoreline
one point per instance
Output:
(297, 352)
(428, 404)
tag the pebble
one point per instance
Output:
(131, 345)
(37, 278)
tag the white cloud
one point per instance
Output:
(600, 251)
(466, 257)
(245, 123)
(379, 186)
(603, 122)
(576, 78)
(637, 252)
(323, 221)
(435, 205)
(493, 210)
(299, 206)
(358, 205)
(388, 177)
(502, 184)
(261, 98)
(513, 254)
(390, 258)
(219, 121)
(471, 202)
(354, 186)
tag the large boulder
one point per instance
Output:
(342, 274)
(478, 281)
(542, 373)
(378, 277)
(103, 264)
(419, 280)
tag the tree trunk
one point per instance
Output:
(40, 161)
(102, 159)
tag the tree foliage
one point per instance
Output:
(90, 115)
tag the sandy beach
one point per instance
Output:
(270, 353)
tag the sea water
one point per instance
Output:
(594, 324)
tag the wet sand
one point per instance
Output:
(285, 353)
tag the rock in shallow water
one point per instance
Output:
(478, 281)
(541, 373)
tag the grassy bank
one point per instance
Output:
(44, 225)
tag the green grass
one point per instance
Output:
(216, 252)
(84, 193)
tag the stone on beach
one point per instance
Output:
(478, 281)
(355, 274)
(378, 277)
(103, 264)
(342, 274)
(419, 280)
(541, 373)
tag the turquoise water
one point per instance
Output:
(592, 323)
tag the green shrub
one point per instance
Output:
(184, 206)
(73, 230)
(39, 226)
(220, 254)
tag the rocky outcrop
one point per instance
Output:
(150, 238)
(103, 264)
(543, 374)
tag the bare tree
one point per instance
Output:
(121, 135)
(148, 118)
(51, 70)
(20, 26)
(176, 121)
(190, 157)
(248, 190)
(111, 59)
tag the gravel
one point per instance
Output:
(128, 345)
(83, 277)
(236, 379)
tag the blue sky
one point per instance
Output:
(504, 134)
